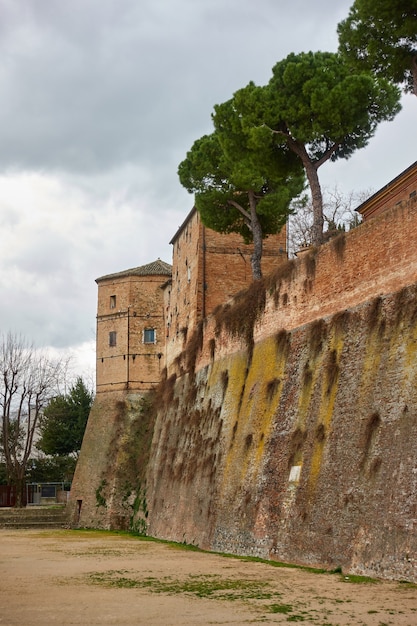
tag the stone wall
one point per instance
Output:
(108, 489)
(288, 429)
(306, 452)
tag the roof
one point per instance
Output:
(368, 206)
(183, 225)
(157, 268)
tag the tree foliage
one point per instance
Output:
(51, 469)
(381, 35)
(28, 379)
(320, 109)
(64, 419)
(243, 181)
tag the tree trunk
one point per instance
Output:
(317, 200)
(313, 180)
(20, 485)
(257, 239)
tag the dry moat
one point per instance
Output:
(90, 578)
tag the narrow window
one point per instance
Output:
(112, 338)
(149, 335)
(112, 302)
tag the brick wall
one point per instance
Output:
(289, 448)
(377, 257)
(127, 306)
(208, 268)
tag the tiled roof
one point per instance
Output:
(157, 268)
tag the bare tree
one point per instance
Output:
(29, 378)
(338, 212)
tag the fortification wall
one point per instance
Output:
(304, 454)
(289, 428)
(379, 257)
(108, 489)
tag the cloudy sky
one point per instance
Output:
(100, 100)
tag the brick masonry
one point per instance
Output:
(294, 437)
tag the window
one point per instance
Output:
(149, 335)
(112, 338)
(112, 302)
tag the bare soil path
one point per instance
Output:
(91, 578)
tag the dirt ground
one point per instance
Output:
(88, 578)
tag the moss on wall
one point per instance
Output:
(293, 453)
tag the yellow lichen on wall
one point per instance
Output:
(249, 408)
(236, 368)
(329, 388)
(374, 351)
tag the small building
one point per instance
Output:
(401, 189)
(131, 327)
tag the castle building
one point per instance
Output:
(144, 314)
(131, 327)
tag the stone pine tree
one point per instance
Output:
(320, 109)
(381, 35)
(243, 181)
(28, 379)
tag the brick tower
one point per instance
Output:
(131, 328)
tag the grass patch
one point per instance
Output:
(280, 608)
(359, 580)
(406, 584)
(200, 586)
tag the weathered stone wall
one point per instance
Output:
(108, 490)
(305, 454)
(289, 428)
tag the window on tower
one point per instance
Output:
(149, 335)
(112, 338)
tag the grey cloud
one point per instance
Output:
(90, 85)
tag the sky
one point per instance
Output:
(100, 101)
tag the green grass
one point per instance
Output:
(351, 578)
(280, 608)
(359, 580)
(201, 586)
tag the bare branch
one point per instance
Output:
(29, 378)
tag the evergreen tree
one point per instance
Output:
(320, 109)
(64, 421)
(381, 35)
(243, 182)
